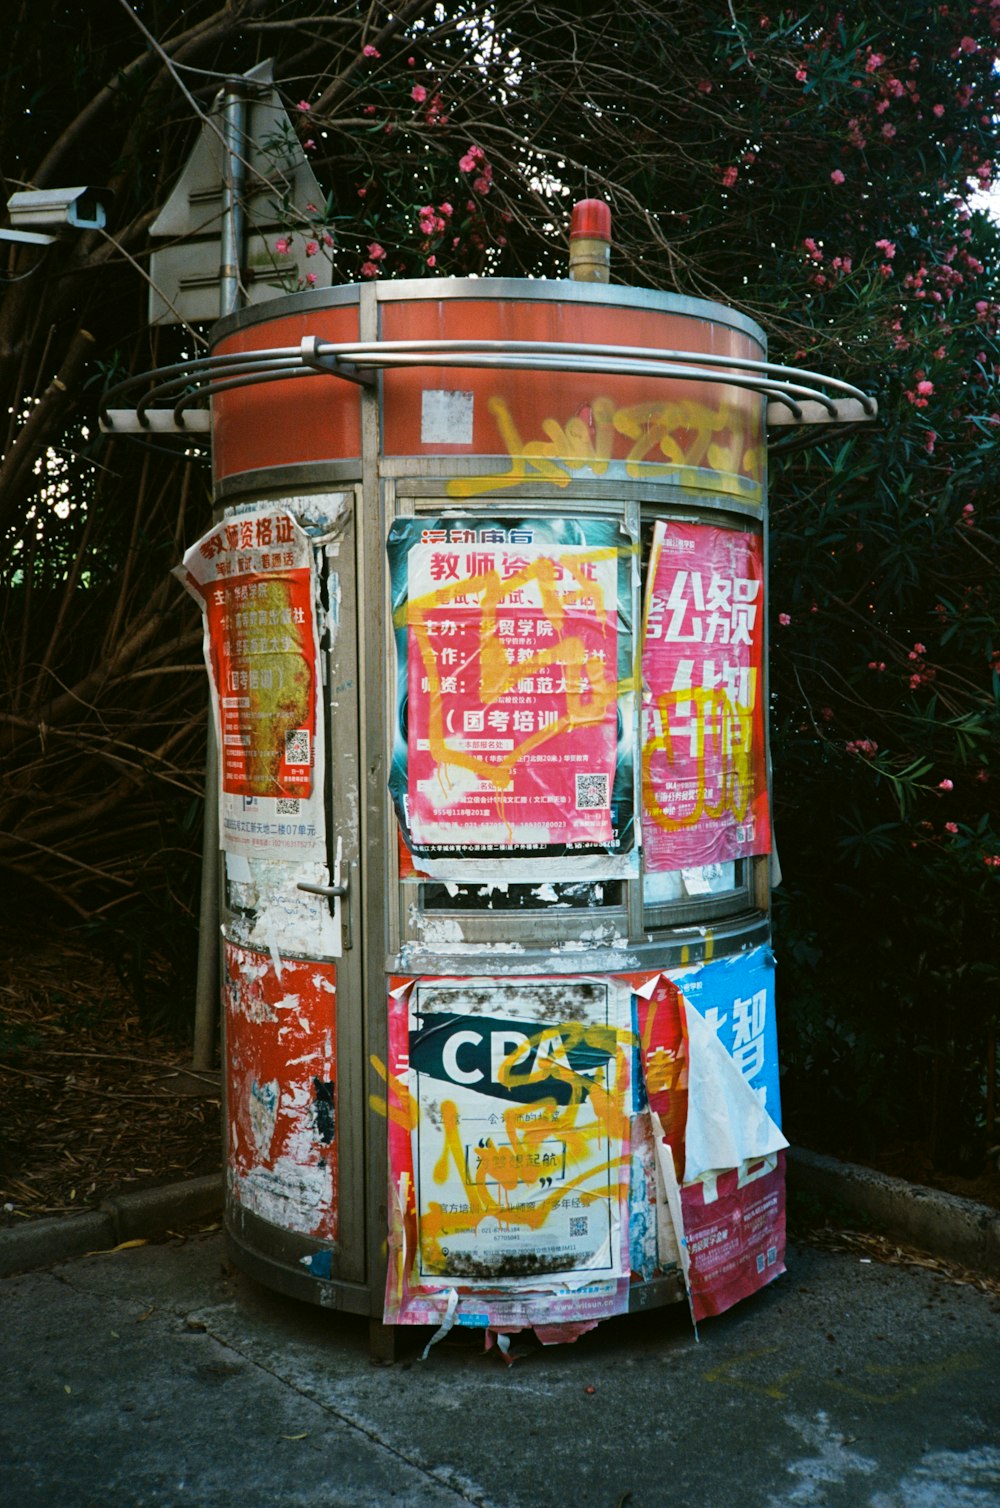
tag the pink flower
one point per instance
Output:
(925, 388)
(876, 664)
(946, 785)
(473, 157)
(376, 252)
(968, 44)
(836, 176)
(311, 279)
(432, 261)
(729, 176)
(312, 247)
(418, 94)
(784, 619)
(309, 146)
(951, 827)
(282, 245)
(887, 248)
(370, 269)
(368, 51)
(938, 110)
(304, 106)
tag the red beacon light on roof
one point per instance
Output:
(590, 242)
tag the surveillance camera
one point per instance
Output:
(80, 208)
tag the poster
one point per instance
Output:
(509, 1114)
(515, 686)
(281, 1089)
(253, 576)
(734, 1225)
(704, 769)
(735, 996)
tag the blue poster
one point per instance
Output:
(736, 997)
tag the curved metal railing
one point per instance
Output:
(173, 399)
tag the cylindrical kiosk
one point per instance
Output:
(485, 607)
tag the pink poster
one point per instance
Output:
(513, 693)
(704, 772)
(734, 1225)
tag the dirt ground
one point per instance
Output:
(93, 1105)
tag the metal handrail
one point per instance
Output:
(357, 361)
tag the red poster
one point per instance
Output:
(281, 1135)
(253, 576)
(734, 1225)
(513, 693)
(663, 1046)
(704, 773)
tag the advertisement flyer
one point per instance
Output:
(734, 1224)
(735, 996)
(511, 1178)
(254, 579)
(515, 688)
(704, 771)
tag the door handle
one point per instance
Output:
(334, 893)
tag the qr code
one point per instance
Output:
(578, 1225)
(288, 806)
(297, 746)
(592, 791)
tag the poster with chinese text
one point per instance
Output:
(734, 1225)
(735, 996)
(253, 576)
(510, 1159)
(515, 689)
(704, 771)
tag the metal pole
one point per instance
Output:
(233, 231)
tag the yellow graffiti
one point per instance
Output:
(688, 435)
(723, 728)
(521, 1163)
(592, 685)
(400, 1106)
(732, 1374)
(912, 1379)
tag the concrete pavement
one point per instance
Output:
(157, 1375)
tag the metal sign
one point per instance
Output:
(248, 160)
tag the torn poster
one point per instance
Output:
(734, 1228)
(732, 1203)
(254, 579)
(736, 997)
(509, 1111)
(281, 1079)
(515, 687)
(704, 770)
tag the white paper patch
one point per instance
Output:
(445, 417)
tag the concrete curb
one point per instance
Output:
(943, 1225)
(124, 1217)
